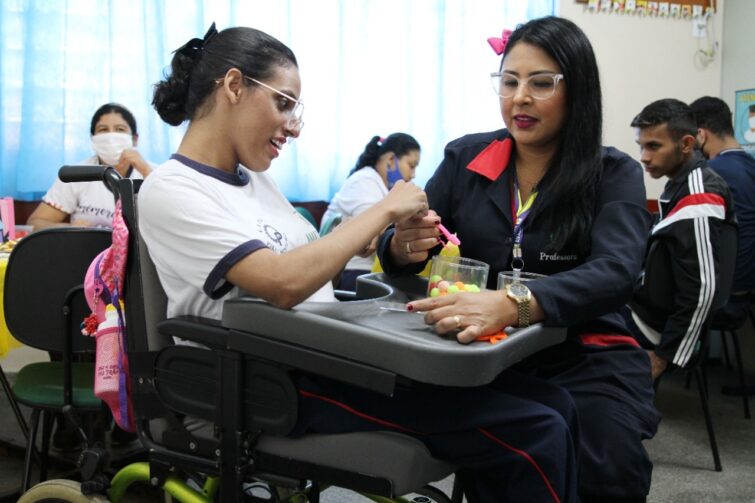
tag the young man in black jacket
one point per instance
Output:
(679, 278)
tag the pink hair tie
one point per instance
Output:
(499, 44)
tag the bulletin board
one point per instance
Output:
(744, 117)
(680, 9)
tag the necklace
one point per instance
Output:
(530, 183)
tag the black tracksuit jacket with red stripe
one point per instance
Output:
(676, 289)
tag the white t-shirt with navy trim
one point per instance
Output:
(90, 203)
(198, 222)
(359, 192)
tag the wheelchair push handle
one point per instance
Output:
(107, 174)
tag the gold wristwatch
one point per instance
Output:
(522, 296)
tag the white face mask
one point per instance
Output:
(752, 122)
(110, 146)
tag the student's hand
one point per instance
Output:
(80, 223)
(414, 238)
(405, 200)
(132, 157)
(469, 314)
(658, 364)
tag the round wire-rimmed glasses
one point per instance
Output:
(540, 86)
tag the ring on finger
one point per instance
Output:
(457, 320)
(409, 247)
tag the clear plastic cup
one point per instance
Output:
(506, 278)
(456, 274)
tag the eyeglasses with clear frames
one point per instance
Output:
(287, 105)
(540, 87)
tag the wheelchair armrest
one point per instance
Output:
(314, 361)
(210, 333)
(203, 331)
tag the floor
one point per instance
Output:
(681, 453)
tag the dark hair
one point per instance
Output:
(113, 108)
(193, 72)
(677, 116)
(713, 114)
(576, 167)
(752, 108)
(398, 143)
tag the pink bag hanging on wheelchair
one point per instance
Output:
(103, 286)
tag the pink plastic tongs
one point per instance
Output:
(451, 237)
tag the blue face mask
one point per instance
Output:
(393, 174)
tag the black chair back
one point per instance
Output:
(42, 270)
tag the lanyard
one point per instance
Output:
(519, 212)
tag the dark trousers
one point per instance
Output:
(512, 442)
(609, 379)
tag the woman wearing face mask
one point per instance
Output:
(388, 160)
(90, 204)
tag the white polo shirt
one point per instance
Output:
(88, 202)
(359, 192)
(198, 222)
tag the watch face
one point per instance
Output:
(518, 290)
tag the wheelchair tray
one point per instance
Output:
(376, 330)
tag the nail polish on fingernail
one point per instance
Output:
(409, 307)
(437, 222)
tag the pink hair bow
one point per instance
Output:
(499, 44)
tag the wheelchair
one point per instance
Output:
(214, 416)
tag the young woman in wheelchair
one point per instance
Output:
(216, 224)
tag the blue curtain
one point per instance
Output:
(368, 68)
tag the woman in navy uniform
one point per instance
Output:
(544, 196)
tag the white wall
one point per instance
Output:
(738, 62)
(642, 59)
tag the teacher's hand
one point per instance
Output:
(471, 314)
(414, 238)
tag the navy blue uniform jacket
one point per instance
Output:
(472, 192)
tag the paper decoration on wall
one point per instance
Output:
(679, 9)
